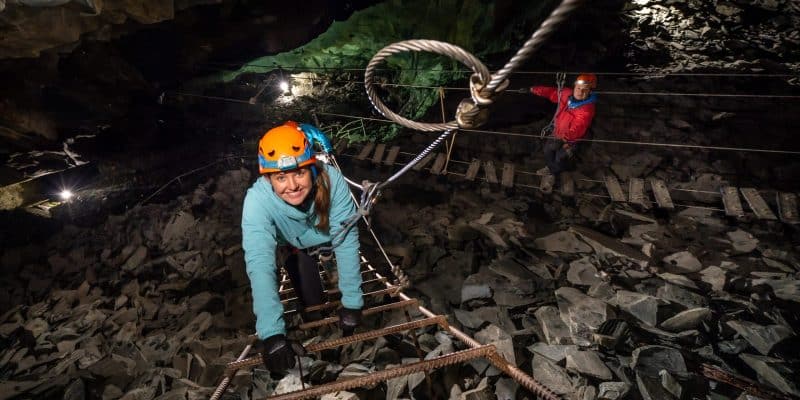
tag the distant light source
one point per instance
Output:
(284, 87)
(65, 194)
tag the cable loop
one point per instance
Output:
(483, 85)
(432, 46)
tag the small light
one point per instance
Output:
(65, 194)
(284, 86)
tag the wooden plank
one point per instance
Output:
(436, 169)
(365, 151)
(567, 184)
(508, 175)
(340, 146)
(378, 156)
(637, 194)
(491, 174)
(757, 203)
(614, 189)
(422, 163)
(547, 182)
(731, 201)
(472, 171)
(787, 207)
(393, 152)
(661, 193)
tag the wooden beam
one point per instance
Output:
(436, 169)
(614, 189)
(637, 194)
(378, 156)
(491, 174)
(508, 175)
(365, 151)
(661, 193)
(757, 203)
(547, 182)
(472, 171)
(567, 184)
(787, 207)
(731, 201)
(393, 152)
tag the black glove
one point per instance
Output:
(349, 319)
(279, 353)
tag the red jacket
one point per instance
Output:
(574, 118)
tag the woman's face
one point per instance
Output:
(292, 186)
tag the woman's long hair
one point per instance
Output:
(322, 197)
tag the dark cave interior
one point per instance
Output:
(151, 114)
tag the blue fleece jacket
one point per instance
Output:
(268, 221)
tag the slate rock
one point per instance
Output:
(773, 371)
(582, 273)
(553, 326)
(761, 337)
(679, 280)
(613, 390)
(587, 362)
(551, 375)
(581, 313)
(649, 360)
(677, 294)
(683, 262)
(641, 306)
(742, 242)
(562, 242)
(554, 352)
(687, 319)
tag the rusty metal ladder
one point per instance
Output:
(402, 302)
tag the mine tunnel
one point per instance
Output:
(496, 199)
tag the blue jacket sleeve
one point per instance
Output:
(259, 244)
(347, 257)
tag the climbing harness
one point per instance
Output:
(561, 77)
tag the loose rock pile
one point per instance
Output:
(597, 316)
(691, 35)
(153, 303)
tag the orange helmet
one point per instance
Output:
(284, 148)
(587, 79)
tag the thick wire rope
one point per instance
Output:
(431, 46)
(607, 141)
(483, 85)
(659, 73)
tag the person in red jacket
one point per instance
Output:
(575, 111)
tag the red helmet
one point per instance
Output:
(587, 79)
(284, 148)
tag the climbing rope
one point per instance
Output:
(606, 141)
(483, 85)
(561, 77)
(471, 112)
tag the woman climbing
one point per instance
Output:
(299, 202)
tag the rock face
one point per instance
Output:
(50, 24)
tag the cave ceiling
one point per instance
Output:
(115, 69)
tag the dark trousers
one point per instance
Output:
(304, 274)
(556, 157)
